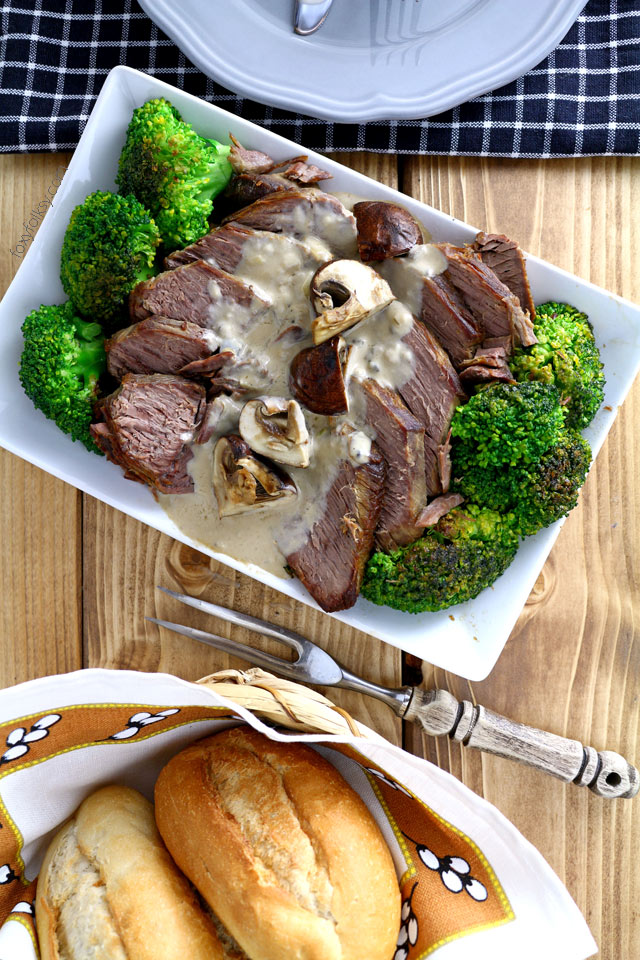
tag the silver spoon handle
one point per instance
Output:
(605, 773)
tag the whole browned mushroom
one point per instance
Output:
(384, 230)
(243, 482)
(343, 292)
(316, 377)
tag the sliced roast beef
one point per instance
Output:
(432, 393)
(490, 363)
(438, 304)
(246, 188)
(495, 308)
(196, 292)
(225, 248)
(157, 345)
(505, 258)
(252, 161)
(445, 314)
(331, 562)
(400, 438)
(303, 213)
(439, 508)
(145, 427)
(295, 169)
(222, 248)
(300, 172)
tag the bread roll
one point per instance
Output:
(108, 889)
(284, 851)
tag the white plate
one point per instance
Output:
(469, 644)
(371, 59)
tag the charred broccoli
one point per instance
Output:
(62, 360)
(537, 487)
(454, 561)
(108, 248)
(565, 355)
(173, 171)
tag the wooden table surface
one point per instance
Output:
(78, 577)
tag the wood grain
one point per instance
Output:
(40, 517)
(572, 663)
(78, 577)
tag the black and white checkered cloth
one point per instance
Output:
(584, 99)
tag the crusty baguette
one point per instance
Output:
(108, 889)
(284, 851)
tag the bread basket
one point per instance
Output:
(471, 885)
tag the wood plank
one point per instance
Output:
(572, 662)
(124, 560)
(40, 519)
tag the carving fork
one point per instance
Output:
(438, 712)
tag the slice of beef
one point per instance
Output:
(146, 425)
(400, 438)
(438, 304)
(494, 307)
(246, 188)
(505, 258)
(222, 248)
(331, 562)
(303, 173)
(490, 363)
(243, 161)
(439, 508)
(196, 292)
(303, 213)
(444, 312)
(157, 345)
(432, 393)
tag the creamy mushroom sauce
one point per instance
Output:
(280, 269)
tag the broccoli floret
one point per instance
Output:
(62, 360)
(173, 171)
(566, 355)
(534, 494)
(506, 424)
(454, 561)
(108, 248)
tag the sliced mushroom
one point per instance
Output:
(243, 482)
(344, 292)
(385, 230)
(316, 377)
(276, 428)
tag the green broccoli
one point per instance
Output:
(566, 355)
(172, 170)
(535, 494)
(454, 561)
(505, 424)
(62, 360)
(108, 248)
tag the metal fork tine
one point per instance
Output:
(293, 640)
(236, 649)
(313, 665)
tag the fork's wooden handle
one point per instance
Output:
(606, 773)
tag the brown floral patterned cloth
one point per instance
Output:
(464, 871)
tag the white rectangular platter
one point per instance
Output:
(471, 642)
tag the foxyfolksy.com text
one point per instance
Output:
(37, 215)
